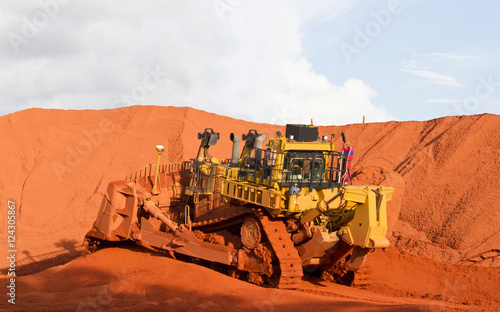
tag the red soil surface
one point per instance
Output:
(56, 165)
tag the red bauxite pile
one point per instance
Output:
(56, 165)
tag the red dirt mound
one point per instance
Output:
(139, 279)
(56, 165)
(446, 175)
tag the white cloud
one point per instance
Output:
(249, 65)
(445, 56)
(444, 101)
(436, 78)
(423, 66)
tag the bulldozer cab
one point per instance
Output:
(310, 169)
(304, 166)
(298, 159)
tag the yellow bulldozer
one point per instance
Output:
(266, 215)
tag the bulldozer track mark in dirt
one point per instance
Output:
(440, 135)
(428, 128)
(363, 278)
(491, 254)
(30, 172)
(419, 148)
(383, 136)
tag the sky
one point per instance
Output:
(333, 61)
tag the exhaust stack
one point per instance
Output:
(258, 144)
(236, 148)
(259, 141)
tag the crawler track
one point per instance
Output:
(288, 257)
(290, 265)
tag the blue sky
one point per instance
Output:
(451, 38)
(265, 61)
